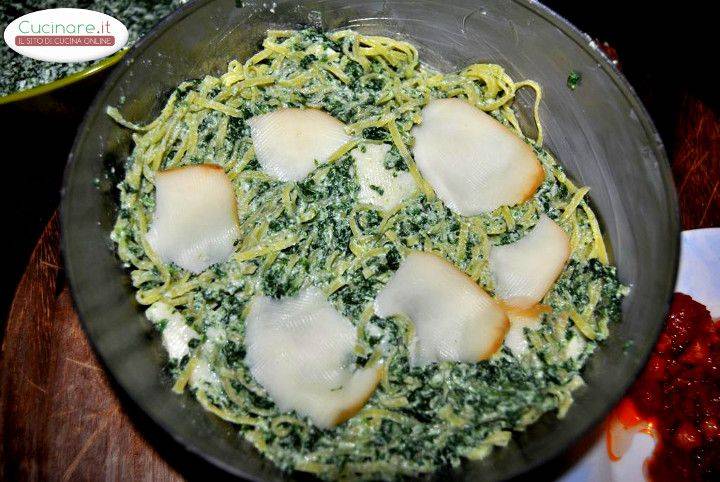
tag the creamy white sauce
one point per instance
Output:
(380, 186)
(177, 334)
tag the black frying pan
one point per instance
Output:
(600, 132)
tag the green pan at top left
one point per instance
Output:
(64, 81)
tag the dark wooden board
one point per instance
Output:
(59, 417)
(61, 420)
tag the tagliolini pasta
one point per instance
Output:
(317, 232)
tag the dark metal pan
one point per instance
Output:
(600, 132)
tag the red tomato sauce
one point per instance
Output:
(678, 397)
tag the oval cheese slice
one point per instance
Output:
(300, 349)
(195, 222)
(289, 143)
(454, 318)
(473, 162)
(379, 186)
(525, 270)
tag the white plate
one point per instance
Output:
(697, 277)
(700, 266)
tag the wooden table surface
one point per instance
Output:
(60, 419)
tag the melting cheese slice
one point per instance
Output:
(289, 143)
(454, 318)
(474, 163)
(525, 270)
(379, 186)
(300, 349)
(195, 222)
